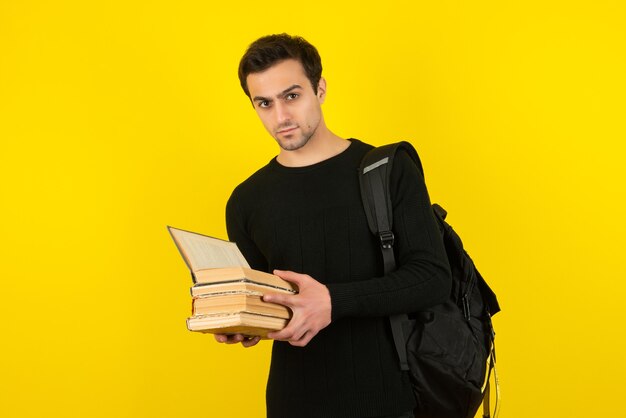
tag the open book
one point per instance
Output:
(202, 252)
(227, 293)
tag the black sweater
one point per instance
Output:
(311, 220)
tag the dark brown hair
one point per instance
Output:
(272, 49)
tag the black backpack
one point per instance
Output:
(447, 347)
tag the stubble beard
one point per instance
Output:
(295, 144)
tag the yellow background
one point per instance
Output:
(119, 117)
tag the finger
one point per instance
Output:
(288, 335)
(221, 338)
(285, 300)
(303, 341)
(282, 335)
(289, 332)
(235, 338)
(291, 276)
(249, 342)
(298, 334)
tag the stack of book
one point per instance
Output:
(227, 293)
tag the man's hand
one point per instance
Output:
(237, 338)
(311, 308)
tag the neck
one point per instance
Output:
(322, 146)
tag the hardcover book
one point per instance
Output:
(227, 293)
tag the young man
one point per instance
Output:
(301, 217)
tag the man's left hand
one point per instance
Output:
(311, 308)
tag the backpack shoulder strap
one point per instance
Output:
(375, 179)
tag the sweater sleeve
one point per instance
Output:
(238, 232)
(423, 277)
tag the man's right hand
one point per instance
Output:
(237, 338)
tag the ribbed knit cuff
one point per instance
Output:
(342, 301)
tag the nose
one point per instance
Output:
(282, 113)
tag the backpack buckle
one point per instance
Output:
(386, 239)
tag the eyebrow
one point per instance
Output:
(281, 94)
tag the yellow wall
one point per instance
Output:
(119, 117)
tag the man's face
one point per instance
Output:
(285, 101)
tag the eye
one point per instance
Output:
(264, 103)
(292, 96)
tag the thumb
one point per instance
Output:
(291, 276)
(285, 300)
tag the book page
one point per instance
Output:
(204, 252)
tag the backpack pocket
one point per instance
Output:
(447, 365)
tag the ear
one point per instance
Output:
(321, 90)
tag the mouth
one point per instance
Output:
(287, 130)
